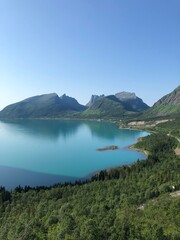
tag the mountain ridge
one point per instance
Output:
(100, 106)
(118, 105)
(106, 107)
(45, 105)
(73, 103)
(135, 102)
(93, 99)
(165, 106)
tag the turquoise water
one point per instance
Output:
(64, 148)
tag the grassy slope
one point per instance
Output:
(162, 110)
(104, 107)
(168, 105)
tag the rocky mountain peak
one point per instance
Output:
(125, 95)
(93, 99)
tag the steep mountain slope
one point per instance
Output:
(47, 105)
(93, 99)
(108, 106)
(169, 105)
(72, 103)
(121, 104)
(131, 99)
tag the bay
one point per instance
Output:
(45, 152)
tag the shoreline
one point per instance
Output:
(138, 149)
(91, 174)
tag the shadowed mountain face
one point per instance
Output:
(118, 105)
(72, 103)
(47, 105)
(108, 106)
(132, 100)
(114, 105)
(169, 105)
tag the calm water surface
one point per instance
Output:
(44, 152)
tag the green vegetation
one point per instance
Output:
(163, 110)
(121, 105)
(106, 107)
(172, 128)
(129, 202)
(158, 144)
(43, 106)
(169, 105)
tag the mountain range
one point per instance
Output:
(46, 105)
(122, 104)
(131, 99)
(118, 105)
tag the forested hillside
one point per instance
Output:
(171, 128)
(130, 202)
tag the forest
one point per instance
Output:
(127, 203)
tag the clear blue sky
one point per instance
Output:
(84, 47)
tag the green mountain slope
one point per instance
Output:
(106, 107)
(93, 99)
(47, 105)
(168, 105)
(72, 103)
(122, 104)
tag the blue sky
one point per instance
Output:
(84, 47)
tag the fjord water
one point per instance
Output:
(44, 152)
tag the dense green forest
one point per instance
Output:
(172, 127)
(130, 202)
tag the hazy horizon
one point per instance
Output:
(87, 47)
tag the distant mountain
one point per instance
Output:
(93, 99)
(107, 107)
(169, 105)
(72, 103)
(122, 104)
(47, 105)
(118, 105)
(132, 100)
